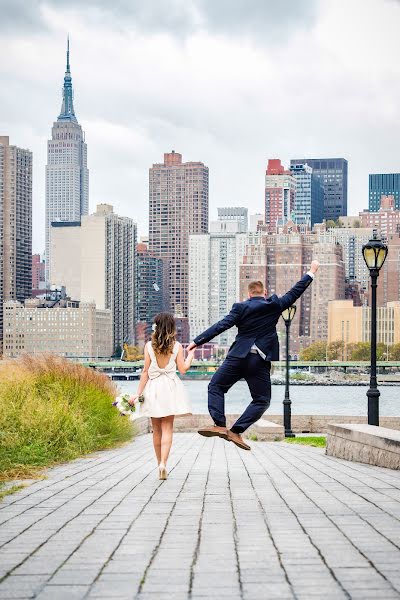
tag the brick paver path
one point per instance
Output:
(277, 523)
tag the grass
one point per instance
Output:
(7, 491)
(52, 410)
(318, 441)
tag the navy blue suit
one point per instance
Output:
(256, 321)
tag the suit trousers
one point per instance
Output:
(256, 372)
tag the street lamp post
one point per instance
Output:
(374, 253)
(288, 315)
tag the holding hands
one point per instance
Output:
(314, 266)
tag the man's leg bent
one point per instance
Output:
(258, 379)
(227, 375)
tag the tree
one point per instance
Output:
(362, 351)
(335, 350)
(330, 223)
(132, 353)
(394, 352)
(316, 351)
(359, 351)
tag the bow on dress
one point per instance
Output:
(156, 371)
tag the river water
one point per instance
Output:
(306, 399)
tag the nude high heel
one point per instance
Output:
(162, 470)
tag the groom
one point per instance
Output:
(250, 355)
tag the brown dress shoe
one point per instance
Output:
(221, 432)
(236, 438)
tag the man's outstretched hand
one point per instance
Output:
(314, 266)
(191, 346)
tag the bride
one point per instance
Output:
(163, 391)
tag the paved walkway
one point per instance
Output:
(280, 522)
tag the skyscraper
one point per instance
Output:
(149, 289)
(236, 214)
(95, 260)
(15, 224)
(309, 199)
(38, 272)
(383, 184)
(67, 175)
(254, 220)
(214, 262)
(108, 268)
(351, 240)
(328, 285)
(332, 173)
(280, 191)
(178, 207)
(279, 260)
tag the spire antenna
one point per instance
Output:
(68, 69)
(67, 109)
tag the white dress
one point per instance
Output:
(164, 393)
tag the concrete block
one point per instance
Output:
(300, 423)
(141, 424)
(266, 431)
(364, 443)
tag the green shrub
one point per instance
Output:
(300, 377)
(52, 410)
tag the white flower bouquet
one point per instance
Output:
(122, 404)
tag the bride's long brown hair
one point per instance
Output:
(164, 336)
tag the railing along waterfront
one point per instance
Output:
(131, 370)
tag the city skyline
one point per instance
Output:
(129, 120)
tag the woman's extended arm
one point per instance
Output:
(182, 364)
(143, 378)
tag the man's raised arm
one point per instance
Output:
(222, 325)
(299, 288)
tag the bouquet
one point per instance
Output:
(122, 404)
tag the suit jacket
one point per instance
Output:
(256, 321)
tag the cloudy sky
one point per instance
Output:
(228, 82)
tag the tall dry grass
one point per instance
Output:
(53, 410)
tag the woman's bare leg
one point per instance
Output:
(167, 427)
(156, 424)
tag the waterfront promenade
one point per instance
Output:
(281, 522)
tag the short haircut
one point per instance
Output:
(256, 288)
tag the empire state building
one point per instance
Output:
(67, 175)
